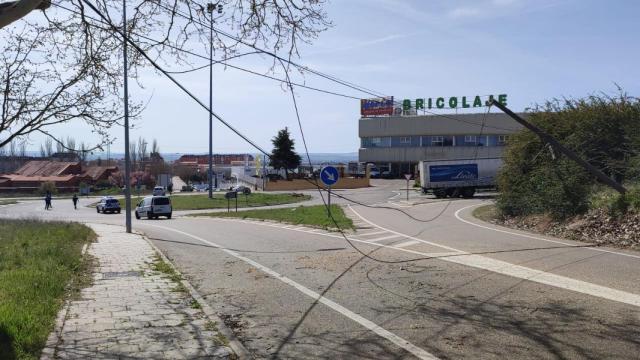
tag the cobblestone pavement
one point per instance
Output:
(132, 311)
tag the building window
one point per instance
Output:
(503, 139)
(437, 140)
(405, 140)
(375, 140)
(470, 139)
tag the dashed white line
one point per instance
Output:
(408, 243)
(384, 238)
(368, 324)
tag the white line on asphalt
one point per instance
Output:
(371, 233)
(384, 238)
(457, 215)
(404, 344)
(407, 243)
(506, 268)
(404, 235)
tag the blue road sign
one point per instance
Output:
(329, 175)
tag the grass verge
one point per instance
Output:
(8, 202)
(486, 213)
(37, 262)
(198, 202)
(302, 215)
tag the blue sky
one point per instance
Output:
(532, 50)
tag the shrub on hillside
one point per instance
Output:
(536, 179)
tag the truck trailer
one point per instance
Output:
(456, 178)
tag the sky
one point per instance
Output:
(532, 50)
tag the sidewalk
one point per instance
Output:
(132, 311)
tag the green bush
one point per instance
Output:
(536, 179)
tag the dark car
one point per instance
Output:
(242, 189)
(108, 204)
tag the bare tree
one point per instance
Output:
(12, 149)
(23, 149)
(71, 144)
(155, 149)
(133, 155)
(48, 147)
(142, 153)
(43, 152)
(83, 151)
(64, 64)
(59, 147)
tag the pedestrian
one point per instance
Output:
(75, 201)
(47, 201)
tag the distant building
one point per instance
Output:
(398, 143)
(218, 159)
(64, 174)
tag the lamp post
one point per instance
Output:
(210, 8)
(127, 159)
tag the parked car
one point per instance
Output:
(186, 188)
(108, 204)
(245, 190)
(158, 191)
(153, 207)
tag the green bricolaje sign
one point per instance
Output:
(463, 102)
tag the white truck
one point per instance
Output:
(456, 178)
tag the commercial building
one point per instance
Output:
(398, 141)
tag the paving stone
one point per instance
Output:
(130, 311)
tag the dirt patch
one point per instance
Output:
(596, 226)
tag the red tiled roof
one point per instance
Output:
(44, 168)
(96, 171)
(15, 177)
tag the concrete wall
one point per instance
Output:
(298, 184)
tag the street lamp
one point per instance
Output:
(127, 162)
(210, 8)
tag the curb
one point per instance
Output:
(49, 350)
(238, 348)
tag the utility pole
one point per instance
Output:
(556, 145)
(210, 8)
(127, 159)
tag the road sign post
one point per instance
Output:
(231, 195)
(329, 176)
(408, 177)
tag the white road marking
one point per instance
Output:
(368, 324)
(384, 238)
(371, 233)
(457, 215)
(408, 243)
(404, 235)
(539, 276)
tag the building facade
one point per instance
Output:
(398, 143)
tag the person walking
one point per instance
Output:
(47, 201)
(75, 201)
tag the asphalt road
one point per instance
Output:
(429, 282)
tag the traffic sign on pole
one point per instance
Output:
(329, 175)
(408, 177)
